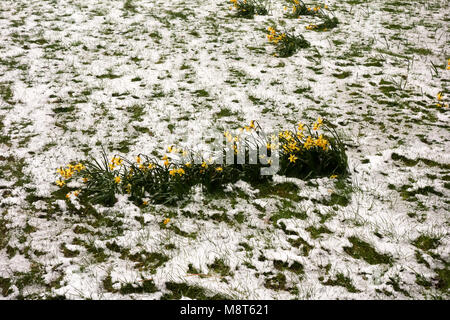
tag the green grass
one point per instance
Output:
(295, 267)
(149, 261)
(343, 281)
(277, 282)
(180, 290)
(363, 250)
(220, 267)
(5, 286)
(303, 245)
(316, 232)
(286, 190)
(426, 242)
(287, 214)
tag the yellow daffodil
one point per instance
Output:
(79, 166)
(318, 124)
(308, 143)
(60, 183)
(292, 158)
(117, 161)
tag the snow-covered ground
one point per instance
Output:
(136, 76)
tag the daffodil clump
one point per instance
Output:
(248, 8)
(312, 152)
(165, 180)
(327, 24)
(286, 44)
(299, 9)
(302, 153)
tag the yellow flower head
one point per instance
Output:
(60, 183)
(321, 142)
(78, 167)
(308, 143)
(292, 158)
(318, 124)
(117, 179)
(166, 221)
(116, 161)
(219, 169)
